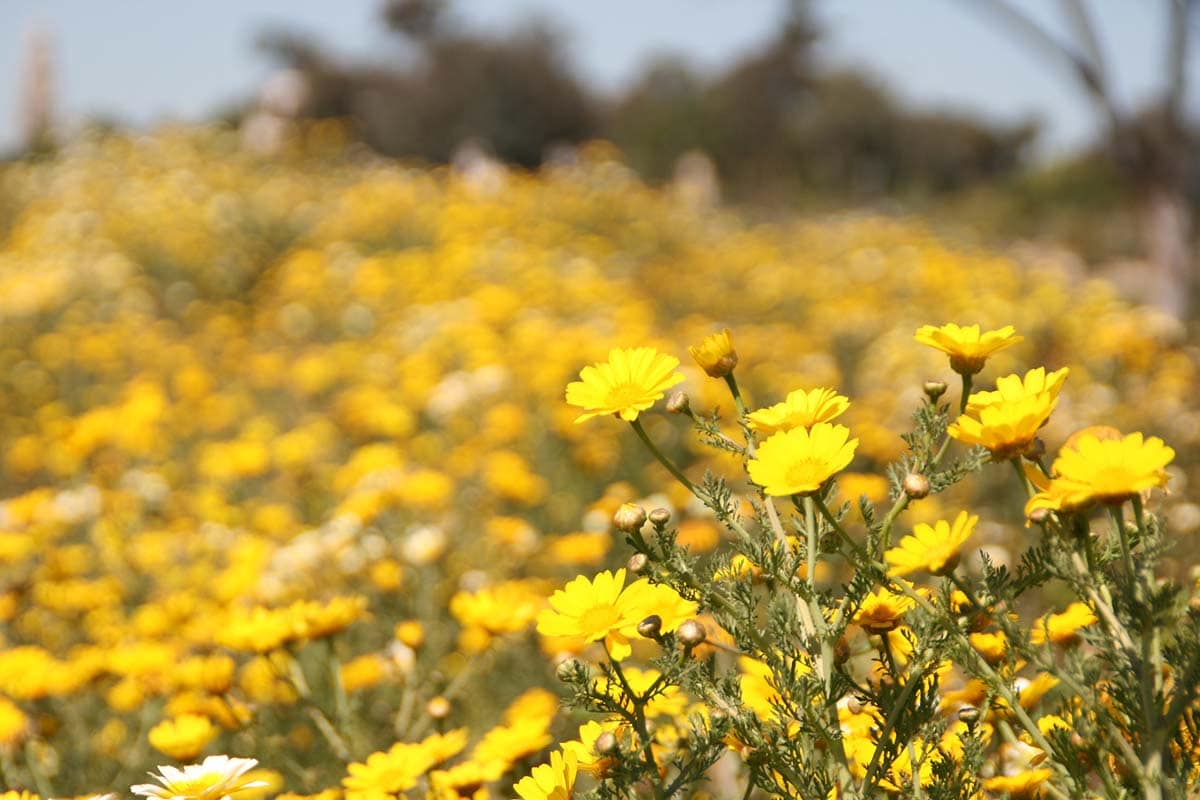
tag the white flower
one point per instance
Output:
(218, 778)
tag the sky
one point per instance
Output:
(145, 61)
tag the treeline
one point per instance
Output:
(773, 124)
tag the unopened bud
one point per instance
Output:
(606, 744)
(691, 633)
(650, 627)
(659, 518)
(1039, 515)
(854, 705)
(629, 518)
(637, 563)
(678, 403)
(969, 714)
(438, 707)
(566, 669)
(916, 485)
(934, 390)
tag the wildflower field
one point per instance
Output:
(406, 483)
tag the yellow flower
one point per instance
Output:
(800, 460)
(553, 781)
(13, 723)
(967, 347)
(801, 409)
(1103, 470)
(184, 737)
(1063, 628)
(882, 610)
(602, 609)
(629, 382)
(1014, 388)
(715, 354)
(934, 549)
(217, 778)
(1006, 429)
(992, 646)
(1027, 783)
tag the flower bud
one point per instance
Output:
(916, 485)
(678, 403)
(629, 518)
(1039, 515)
(969, 714)
(691, 633)
(659, 518)
(606, 744)
(637, 563)
(854, 705)
(650, 627)
(715, 355)
(934, 390)
(438, 707)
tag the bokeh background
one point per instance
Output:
(289, 294)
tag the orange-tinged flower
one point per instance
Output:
(967, 347)
(715, 354)
(628, 383)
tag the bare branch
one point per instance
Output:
(1083, 69)
(1177, 47)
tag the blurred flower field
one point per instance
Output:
(288, 473)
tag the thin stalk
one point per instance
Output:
(858, 549)
(662, 459)
(810, 526)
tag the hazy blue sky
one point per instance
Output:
(146, 60)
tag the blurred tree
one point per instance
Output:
(1151, 148)
(515, 95)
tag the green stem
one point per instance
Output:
(639, 724)
(662, 459)
(810, 528)
(1118, 518)
(740, 405)
(1022, 477)
(833, 523)
(967, 381)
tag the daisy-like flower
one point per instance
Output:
(715, 354)
(1098, 468)
(1063, 628)
(801, 409)
(1014, 388)
(605, 609)
(553, 781)
(629, 382)
(934, 549)
(800, 460)
(1006, 429)
(967, 347)
(216, 778)
(882, 610)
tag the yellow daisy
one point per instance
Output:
(1014, 388)
(715, 354)
(1027, 783)
(629, 382)
(801, 409)
(882, 610)
(1102, 470)
(1063, 628)
(934, 549)
(1006, 429)
(967, 347)
(553, 781)
(800, 460)
(606, 609)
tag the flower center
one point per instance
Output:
(625, 395)
(599, 620)
(806, 471)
